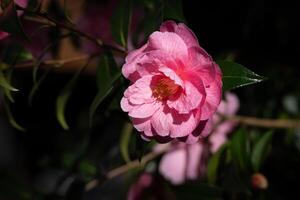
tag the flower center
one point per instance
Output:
(164, 88)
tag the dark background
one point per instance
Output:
(264, 36)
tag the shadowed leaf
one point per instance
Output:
(120, 21)
(260, 149)
(125, 140)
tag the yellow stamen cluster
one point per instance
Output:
(164, 88)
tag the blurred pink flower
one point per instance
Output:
(148, 187)
(175, 86)
(22, 3)
(188, 162)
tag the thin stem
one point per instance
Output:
(128, 166)
(56, 62)
(266, 123)
(53, 22)
(251, 121)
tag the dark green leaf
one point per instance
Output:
(213, 164)
(107, 75)
(11, 118)
(36, 86)
(125, 140)
(120, 21)
(5, 83)
(63, 97)
(10, 23)
(238, 147)
(7, 92)
(172, 9)
(100, 97)
(236, 75)
(260, 149)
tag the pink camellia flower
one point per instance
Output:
(175, 86)
(188, 162)
(22, 3)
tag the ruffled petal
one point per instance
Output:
(182, 30)
(169, 42)
(212, 100)
(144, 110)
(161, 121)
(187, 100)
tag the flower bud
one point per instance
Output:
(259, 181)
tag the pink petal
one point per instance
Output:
(218, 138)
(172, 75)
(202, 130)
(199, 59)
(129, 68)
(3, 35)
(125, 105)
(194, 152)
(144, 110)
(182, 30)
(182, 125)
(140, 92)
(161, 121)
(212, 101)
(187, 100)
(143, 125)
(173, 166)
(169, 42)
(233, 103)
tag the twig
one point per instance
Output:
(266, 123)
(57, 62)
(53, 22)
(128, 166)
(251, 121)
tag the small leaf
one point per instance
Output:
(63, 98)
(213, 164)
(5, 83)
(236, 75)
(11, 118)
(120, 21)
(238, 147)
(7, 92)
(10, 22)
(125, 140)
(36, 86)
(172, 9)
(105, 82)
(260, 149)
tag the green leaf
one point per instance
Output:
(125, 140)
(120, 22)
(10, 22)
(63, 98)
(196, 190)
(260, 150)
(213, 164)
(236, 75)
(36, 86)
(11, 118)
(172, 9)
(101, 96)
(238, 147)
(5, 83)
(107, 75)
(7, 92)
